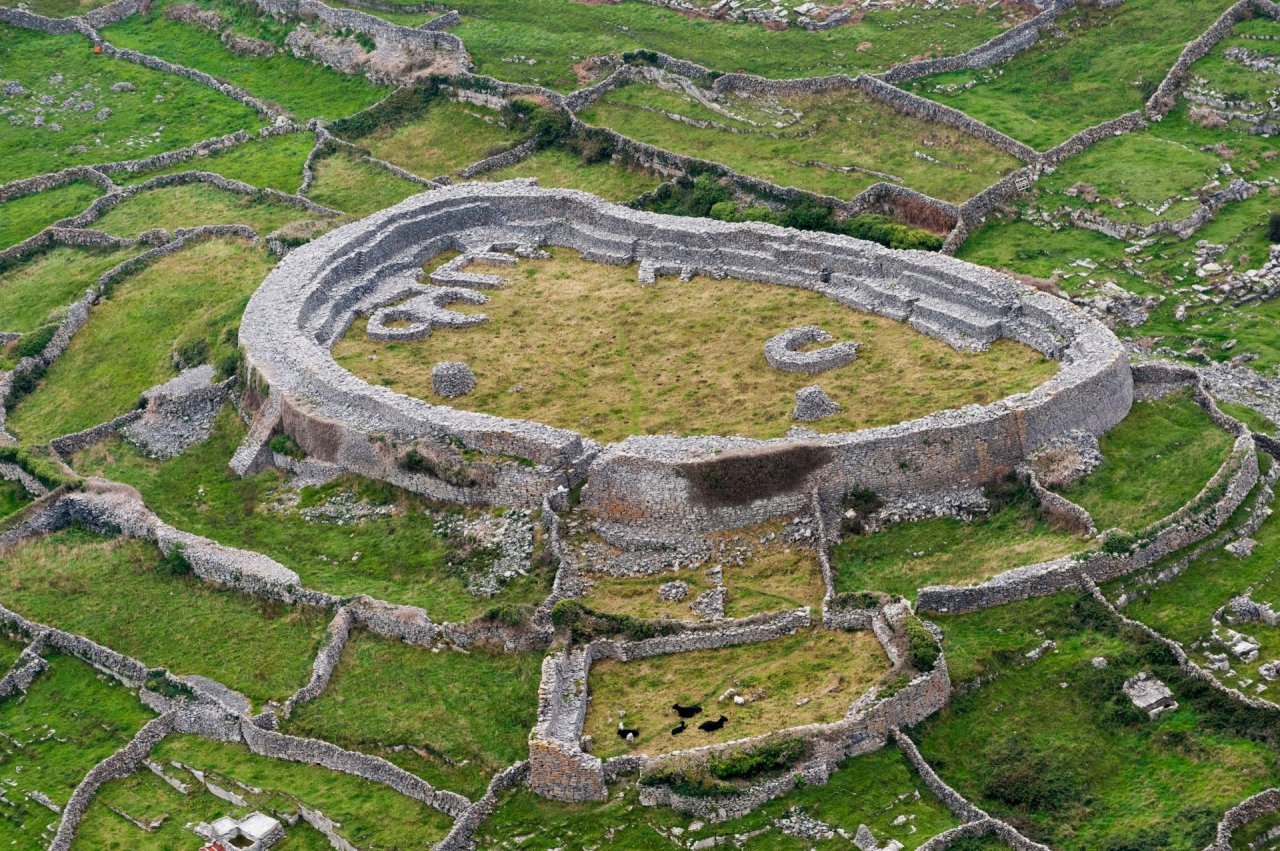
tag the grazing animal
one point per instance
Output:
(627, 733)
(712, 726)
(675, 731)
(686, 711)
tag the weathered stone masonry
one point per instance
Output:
(312, 297)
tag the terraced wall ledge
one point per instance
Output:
(314, 295)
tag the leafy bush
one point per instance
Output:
(689, 197)
(848, 601)
(749, 762)
(710, 778)
(174, 563)
(923, 649)
(401, 106)
(228, 364)
(1009, 491)
(509, 614)
(1028, 779)
(1273, 227)
(1119, 543)
(284, 444)
(157, 682)
(862, 502)
(49, 473)
(640, 57)
(34, 342)
(189, 353)
(585, 624)
(25, 383)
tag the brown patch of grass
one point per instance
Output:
(830, 668)
(582, 346)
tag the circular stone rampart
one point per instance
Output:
(653, 483)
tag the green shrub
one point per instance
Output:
(640, 57)
(157, 682)
(189, 353)
(25, 383)
(923, 650)
(848, 601)
(585, 624)
(174, 563)
(862, 502)
(1119, 543)
(1009, 491)
(509, 614)
(228, 364)
(34, 342)
(284, 444)
(400, 107)
(689, 196)
(49, 473)
(1029, 779)
(742, 763)
(1273, 227)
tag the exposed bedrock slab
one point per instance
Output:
(649, 482)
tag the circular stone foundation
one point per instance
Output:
(664, 484)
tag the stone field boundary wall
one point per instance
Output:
(206, 715)
(1198, 519)
(1261, 805)
(560, 769)
(313, 296)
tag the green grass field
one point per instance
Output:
(555, 167)
(35, 291)
(367, 814)
(70, 718)
(833, 149)
(947, 551)
(452, 718)
(27, 215)
(1154, 462)
(161, 113)
(306, 89)
(358, 188)
(127, 344)
(875, 789)
(1183, 608)
(449, 137)
(271, 163)
(109, 590)
(401, 557)
(1056, 747)
(1103, 65)
(193, 204)
(540, 41)
(59, 8)
(830, 668)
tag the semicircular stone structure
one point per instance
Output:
(659, 485)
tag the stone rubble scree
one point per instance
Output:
(651, 461)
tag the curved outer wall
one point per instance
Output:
(313, 296)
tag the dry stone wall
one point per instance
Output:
(1002, 48)
(1195, 521)
(560, 769)
(314, 295)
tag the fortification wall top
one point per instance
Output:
(311, 298)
